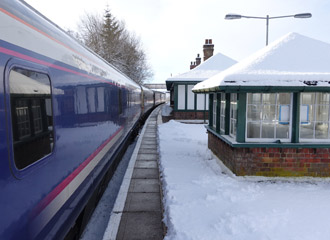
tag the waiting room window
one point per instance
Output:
(314, 116)
(222, 113)
(32, 117)
(181, 97)
(268, 116)
(214, 111)
(233, 114)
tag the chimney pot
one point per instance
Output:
(208, 49)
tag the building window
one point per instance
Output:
(214, 116)
(222, 113)
(268, 116)
(233, 114)
(314, 116)
(203, 102)
(120, 101)
(190, 98)
(32, 117)
(181, 97)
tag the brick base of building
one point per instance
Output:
(264, 161)
(190, 115)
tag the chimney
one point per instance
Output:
(192, 65)
(198, 60)
(208, 49)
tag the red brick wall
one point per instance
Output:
(190, 115)
(272, 161)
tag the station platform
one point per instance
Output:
(138, 211)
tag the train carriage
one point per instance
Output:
(64, 115)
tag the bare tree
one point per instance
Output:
(109, 38)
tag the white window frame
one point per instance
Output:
(314, 140)
(276, 117)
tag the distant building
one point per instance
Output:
(158, 86)
(185, 103)
(270, 114)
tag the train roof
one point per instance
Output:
(54, 43)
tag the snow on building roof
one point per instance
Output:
(293, 60)
(207, 69)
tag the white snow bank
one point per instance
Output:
(202, 202)
(289, 61)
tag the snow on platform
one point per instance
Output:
(203, 201)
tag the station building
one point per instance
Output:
(269, 114)
(185, 103)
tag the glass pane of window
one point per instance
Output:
(201, 102)
(254, 113)
(268, 98)
(321, 130)
(284, 98)
(307, 130)
(37, 118)
(223, 104)
(322, 113)
(190, 98)
(181, 97)
(207, 101)
(268, 113)
(267, 130)
(91, 100)
(282, 130)
(32, 116)
(233, 127)
(100, 99)
(253, 130)
(214, 110)
(222, 123)
(307, 98)
(233, 113)
(254, 98)
(322, 98)
(23, 119)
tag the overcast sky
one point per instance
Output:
(174, 31)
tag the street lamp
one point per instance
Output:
(237, 16)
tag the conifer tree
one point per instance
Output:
(109, 38)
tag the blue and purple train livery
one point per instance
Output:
(64, 113)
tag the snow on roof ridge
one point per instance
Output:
(210, 67)
(292, 57)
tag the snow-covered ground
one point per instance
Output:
(203, 200)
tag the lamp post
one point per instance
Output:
(237, 16)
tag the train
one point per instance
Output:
(65, 116)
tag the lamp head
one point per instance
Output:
(232, 16)
(303, 15)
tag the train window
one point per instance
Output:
(32, 116)
(120, 102)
